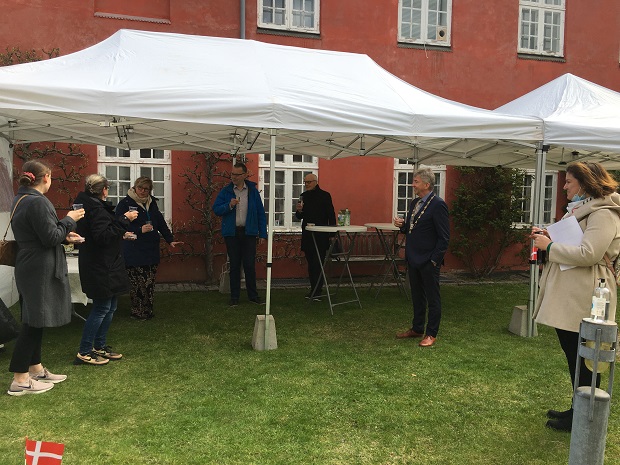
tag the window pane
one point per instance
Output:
(411, 20)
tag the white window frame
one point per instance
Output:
(405, 7)
(287, 164)
(544, 32)
(549, 205)
(134, 163)
(408, 168)
(289, 17)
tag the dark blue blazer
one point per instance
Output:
(429, 238)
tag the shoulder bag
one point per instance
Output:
(8, 249)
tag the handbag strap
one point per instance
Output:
(12, 213)
(609, 265)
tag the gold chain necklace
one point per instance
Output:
(411, 222)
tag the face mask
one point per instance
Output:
(577, 198)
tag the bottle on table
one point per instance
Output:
(599, 313)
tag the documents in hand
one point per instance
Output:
(566, 231)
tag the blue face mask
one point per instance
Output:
(577, 198)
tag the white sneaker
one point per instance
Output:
(30, 387)
(46, 377)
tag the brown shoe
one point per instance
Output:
(427, 341)
(409, 333)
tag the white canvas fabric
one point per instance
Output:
(578, 115)
(141, 89)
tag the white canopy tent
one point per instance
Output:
(157, 90)
(581, 122)
(145, 89)
(578, 115)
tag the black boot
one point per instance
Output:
(560, 414)
(561, 424)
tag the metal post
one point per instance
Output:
(538, 198)
(265, 338)
(597, 344)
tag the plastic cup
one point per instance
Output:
(77, 206)
(133, 209)
(401, 216)
(149, 222)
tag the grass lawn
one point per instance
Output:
(339, 389)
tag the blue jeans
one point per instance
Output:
(97, 324)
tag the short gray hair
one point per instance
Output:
(95, 183)
(426, 174)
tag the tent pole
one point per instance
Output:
(264, 337)
(538, 199)
(242, 19)
(270, 223)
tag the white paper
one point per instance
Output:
(566, 231)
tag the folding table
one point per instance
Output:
(342, 256)
(388, 236)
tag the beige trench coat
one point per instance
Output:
(565, 297)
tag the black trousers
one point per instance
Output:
(27, 349)
(424, 281)
(241, 249)
(569, 341)
(314, 267)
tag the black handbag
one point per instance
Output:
(9, 327)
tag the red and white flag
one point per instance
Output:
(43, 453)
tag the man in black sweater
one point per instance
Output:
(315, 207)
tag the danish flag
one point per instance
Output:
(43, 453)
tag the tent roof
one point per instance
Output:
(578, 115)
(141, 89)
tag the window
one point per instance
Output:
(425, 21)
(526, 198)
(122, 167)
(541, 29)
(403, 179)
(283, 187)
(292, 15)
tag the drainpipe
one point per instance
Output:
(242, 19)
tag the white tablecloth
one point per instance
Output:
(77, 296)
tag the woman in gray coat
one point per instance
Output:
(40, 276)
(565, 297)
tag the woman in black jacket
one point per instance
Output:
(102, 269)
(142, 255)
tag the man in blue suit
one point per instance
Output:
(427, 227)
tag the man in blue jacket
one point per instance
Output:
(428, 232)
(243, 221)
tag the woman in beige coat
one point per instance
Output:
(566, 296)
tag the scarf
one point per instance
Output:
(144, 202)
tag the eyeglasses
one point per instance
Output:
(148, 189)
(309, 182)
(237, 174)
